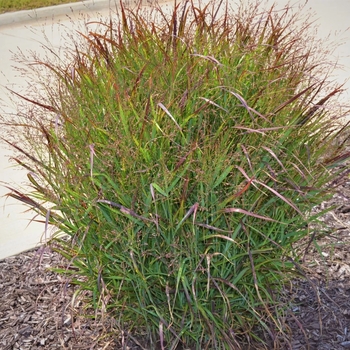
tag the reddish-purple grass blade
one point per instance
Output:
(246, 212)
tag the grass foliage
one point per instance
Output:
(182, 153)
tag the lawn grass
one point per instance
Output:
(18, 5)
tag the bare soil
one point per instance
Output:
(39, 310)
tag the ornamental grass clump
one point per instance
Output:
(181, 153)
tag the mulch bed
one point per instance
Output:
(37, 311)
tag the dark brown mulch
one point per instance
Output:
(322, 309)
(38, 311)
(35, 307)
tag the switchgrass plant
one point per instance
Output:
(181, 153)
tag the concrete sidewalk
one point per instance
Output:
(28, 17)
(29, 31)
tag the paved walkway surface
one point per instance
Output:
(28, 30)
